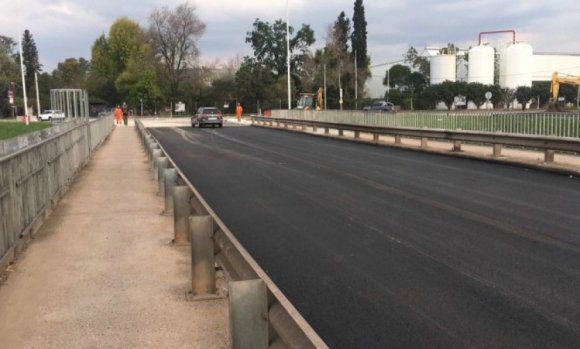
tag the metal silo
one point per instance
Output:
(481, 64)
(442, 68)
(516, 67)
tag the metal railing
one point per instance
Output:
(33, 178)
(275, 322)
(548, 144)
(523, 123)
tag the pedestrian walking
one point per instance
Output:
(125, 108)
(239, 112)
(118, 115)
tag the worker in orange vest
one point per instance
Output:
(239, 112)
(119, 115)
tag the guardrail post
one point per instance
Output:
(376, 137)
(356, 134)
(170, 175)
(424, 142)
(162, 163)
(248, 307)
(304, 128)
(277, 123)
(152, 146)
(181, 212)
(271, 123)
(398, 139)
(314, 129)
(203, 282)
(549, 155)
(326, 131)
(496, 150)
(156, 155)
(456, 145)
(340, 132)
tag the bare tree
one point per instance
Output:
(174, 34)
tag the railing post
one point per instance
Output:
(152, 146)
(156, 155)
(424, 142)
(303, 127)
(203, 282)
(376, 137)
(181, 212)
(456, 145)
(549, 156)
(170, 175)
(314, 129)
(248, 305)
(326, 130)
(356, 134)
(496, 150)
(398, 139)
(162, 163)
(340, 132)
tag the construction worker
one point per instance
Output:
(118, 115)
(239, 112)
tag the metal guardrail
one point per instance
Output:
(33, 178)
(512, 122)
(548, 144)
(211, 240)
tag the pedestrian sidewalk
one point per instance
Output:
(102, 272)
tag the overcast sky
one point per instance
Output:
(65, 29)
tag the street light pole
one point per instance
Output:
(288, 54)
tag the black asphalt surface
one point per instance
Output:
(390, 248)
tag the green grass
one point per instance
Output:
(10, 129)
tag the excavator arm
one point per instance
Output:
(555, 88)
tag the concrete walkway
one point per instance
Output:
(102, 272)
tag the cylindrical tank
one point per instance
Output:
(481, 64)
(517, 64)
(442, 68)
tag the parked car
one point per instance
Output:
(207, 116)
(52, 114)
(380, 106)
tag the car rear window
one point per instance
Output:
(211, 111)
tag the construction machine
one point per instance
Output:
(555, 88)
(310, 100)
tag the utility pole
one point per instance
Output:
(355, 83)
(288, 54)
(23, 81)
(339, 85)
(37, 96)
(325, 105)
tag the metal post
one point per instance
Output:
(424, 142)
(398, 139)
(248, 305)
(203, 281)
(156, 155)
(288, 53)
(496, 150)
(181, 212)
(162, 164)
(456, 145)
(549, 156)
(170, 176)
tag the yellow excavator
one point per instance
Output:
(555, 88)
(311, 100)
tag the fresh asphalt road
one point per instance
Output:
(390, 248)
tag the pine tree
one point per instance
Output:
(359, 40)
(341, 33)
(30, 59)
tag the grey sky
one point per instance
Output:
(65, 29)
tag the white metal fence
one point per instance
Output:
(524, 123)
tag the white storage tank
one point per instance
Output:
(481, 64)
(442, 68)
(517, 65)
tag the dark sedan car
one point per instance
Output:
(207, 116)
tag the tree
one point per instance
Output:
(523, 95)
(417, 62)
(174, 34)
(8, 74)
(397, 75)
(341, 34)
(269, 44)
(254, 82)
(359, 40)
(541, 91)
(30, 59)
(475, 93)
(445, 92)
(72, 73)
(507, 96)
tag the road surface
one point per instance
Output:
(382, 247)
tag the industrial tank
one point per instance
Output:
(517, 66)
(442, 68)
(481, 64)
